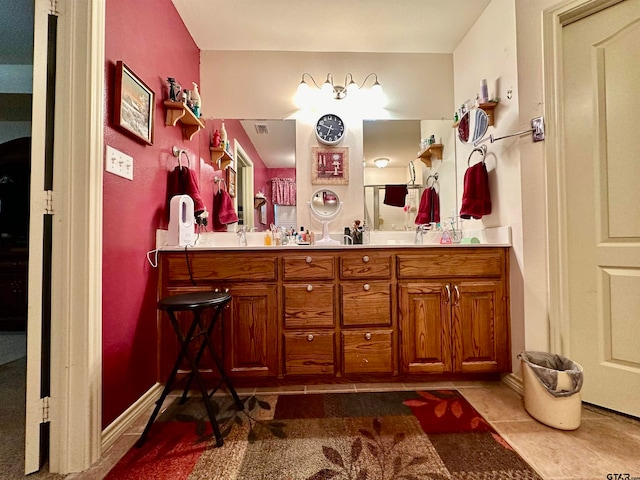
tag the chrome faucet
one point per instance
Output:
(242, 233)
(348, 239)
(420, 229)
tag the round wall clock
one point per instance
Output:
(330, 129)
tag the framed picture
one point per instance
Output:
(330, 166)
(134, 104)
(231, 181)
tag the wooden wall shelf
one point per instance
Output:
(488, 108)
(220, 156)
(258, 202)
(179, 112)
(433, 150)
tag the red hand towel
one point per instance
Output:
(429, 209)
(223, 211)
(184, 181)
(476, 200)
(394, 195)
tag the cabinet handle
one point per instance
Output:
(217, 290)
(367, 336)
(365, 259)
(366, 287)
(448, 299)
(310, 338)
(457, 299)
(308, 260)
(309, 288)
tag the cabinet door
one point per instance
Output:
(480, 329)
(425, 327)
(251, 327)
(367, 351)
(309, 352)
(309, 305)
(365, 303)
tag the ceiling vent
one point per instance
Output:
(262, 128)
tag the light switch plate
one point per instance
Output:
(118, 163)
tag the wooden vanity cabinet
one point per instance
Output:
(457, 320)
(367, 319)
(309, 313)
(350, 314)
(251, 320)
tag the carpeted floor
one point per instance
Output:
(13, 345)
(434, 434)
(12, 418)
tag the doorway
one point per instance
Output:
(595, 202)
(244, 187)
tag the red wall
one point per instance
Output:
(152, 40)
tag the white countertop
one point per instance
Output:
(490, 237)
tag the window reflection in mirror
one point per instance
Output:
(399, 141)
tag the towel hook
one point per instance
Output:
(482, 149)
(434, 179)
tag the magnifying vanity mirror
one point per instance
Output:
(473, 126)
(325, 206)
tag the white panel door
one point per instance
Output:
(600, 100)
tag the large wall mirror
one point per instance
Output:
(273, 141)
(397, 143)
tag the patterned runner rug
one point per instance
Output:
(433, 434)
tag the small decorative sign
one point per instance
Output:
(330, 166)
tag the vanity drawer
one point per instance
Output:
(454, 262)
(310, 266)
(365, 265)
(309, 305)
(365, 303)
(367, 351)
(219, 266)
(309, 352)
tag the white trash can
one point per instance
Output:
(552, 385)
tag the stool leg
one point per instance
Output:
(201, 350)
(218, 361)
(170, 380)
(195, 372)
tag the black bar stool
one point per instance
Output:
(196, 303)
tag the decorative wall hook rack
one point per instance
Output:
(537, 131)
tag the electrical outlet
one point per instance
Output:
(118, 163)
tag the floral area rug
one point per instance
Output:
(433, 434)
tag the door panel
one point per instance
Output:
(600, 77)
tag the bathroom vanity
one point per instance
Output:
(313, 314)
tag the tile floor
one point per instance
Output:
(606, 446)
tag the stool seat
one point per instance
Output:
(199, 331)
(193, 301)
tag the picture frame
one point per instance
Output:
(330, 166)
(134, 104)
(231, 181)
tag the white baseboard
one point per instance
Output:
(121, 424)
(514, 382)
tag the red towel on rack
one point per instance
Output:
(476, 200)
(223, 211)
(394, 195)
(183, 180)
(429, 209)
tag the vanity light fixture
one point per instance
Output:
(305, 93)
(381, 162)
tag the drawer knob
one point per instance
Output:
(308, 259)
(365, 259)
(366, 287)
(226, 290)
(309, 288)
(310, 338)
(367, 336)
